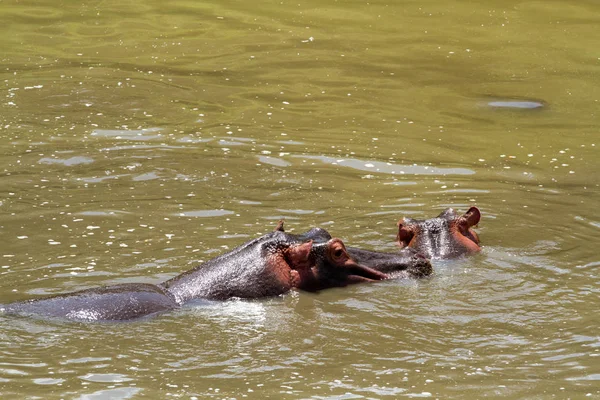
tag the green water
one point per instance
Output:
(139, 138)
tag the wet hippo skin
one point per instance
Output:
(445, 236)
(110, 303)
(269, 265)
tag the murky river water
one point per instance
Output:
(138, 138)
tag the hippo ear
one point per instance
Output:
(279, 226)
(472, 216)
(299, 255)
(405, 234)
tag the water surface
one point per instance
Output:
(140, 138)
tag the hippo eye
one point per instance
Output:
(336, 251)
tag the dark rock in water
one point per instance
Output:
(522, 104)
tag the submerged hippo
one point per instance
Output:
(270, 265)
(445, 236)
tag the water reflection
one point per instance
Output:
(205, 213)
(278, 162)
(84, 360)
(116, 394)
(387, 167)
(76, 160)
(48, 381)
(129, 134)
(107, 213)
(517, 104)
(141, 147)
(146, 177)
(109, 378)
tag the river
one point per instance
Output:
(139, 138)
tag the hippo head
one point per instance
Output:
(408, 263)
(317, 266)
(448, 235)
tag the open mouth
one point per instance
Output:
(359, 273)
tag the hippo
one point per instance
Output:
(446, 236)
(270, 265)
(408, 263)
